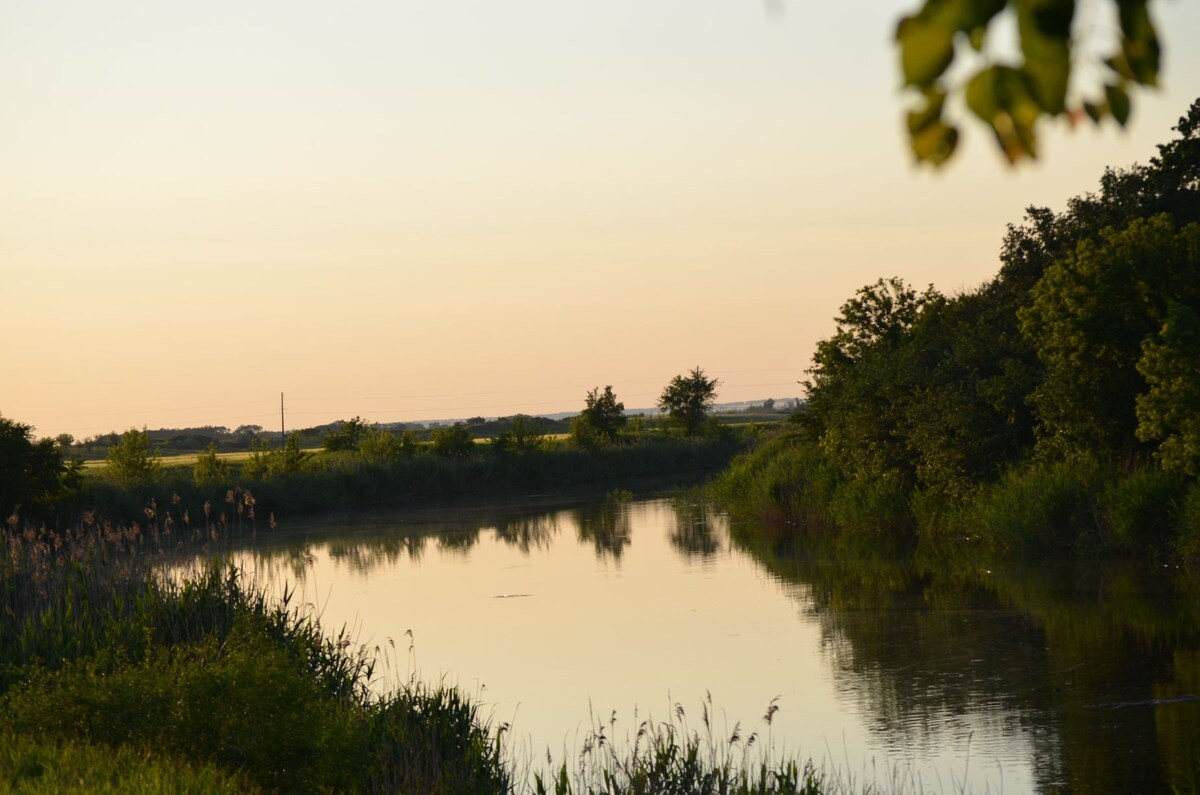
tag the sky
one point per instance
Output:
(412, 210)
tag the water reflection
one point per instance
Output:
(606, 526)
(695, 534)
(1095, 668)
(1096, 663)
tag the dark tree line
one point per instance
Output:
(1087, 342)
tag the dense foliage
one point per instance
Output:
(688, 400)
(601, 420)
(31, 472)
(1078, 360)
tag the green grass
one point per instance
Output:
(1080, 507)
(46, 767)
(97, 647)
(330, 482)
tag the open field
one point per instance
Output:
(187, 459)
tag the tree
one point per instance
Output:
(1169, 411)
(265, 462)
(64, 441)
(31, 472)
(859, 395)
(453, 441)
(688, 400)
(348, 436)
(1011, 99)
(601, 420)
(1093, 311)
(382, 446)
(132, 458)
(210, 468)
(522, 436)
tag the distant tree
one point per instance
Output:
(769, 404)
(31, 472)
(210, 468)
(132, 458)
(689, 399)
(601, 420)
(292, 457)
(64, 441)
(522, 436)
(348, 436)
(384, 446)
(265, 462)
(453, 441)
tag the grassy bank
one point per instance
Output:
(208, 680)
(116, 678)
(279, 484)
(1080, 506)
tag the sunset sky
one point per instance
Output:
(412, 210)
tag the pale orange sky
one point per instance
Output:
(414, 210)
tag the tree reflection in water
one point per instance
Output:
(1096, 663)
(1096, 666)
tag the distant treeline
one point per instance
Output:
(171, 441)
(1056, 405)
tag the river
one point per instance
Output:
(915, 670)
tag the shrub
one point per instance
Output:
(1138, 509)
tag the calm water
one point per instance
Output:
(883, 663)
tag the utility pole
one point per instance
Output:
(282, 430)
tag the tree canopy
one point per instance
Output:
(32, 472)
(601, 420)
(688, 399)
(1085, 343)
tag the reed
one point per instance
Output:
(670, 757)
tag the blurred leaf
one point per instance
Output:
(1000, 96)
(1045, 29)
(931, 112)
(1118, 103)
(1120, 64)
(1140, 42)
(935, 143)
(977, 14)
(926, 50)
(976, 37)
(1095, 112)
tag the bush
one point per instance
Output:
(1045, 505)
(131, 458)
(1138, 509)
(453, 441)
(210, 469)
(1187, 540)
(786, 478)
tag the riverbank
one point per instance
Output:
(255, 494)
(1076, 507)
(116, 677)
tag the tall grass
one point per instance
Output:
(341, 481)
(670, 757)
(1079, 506)
(98, 645)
